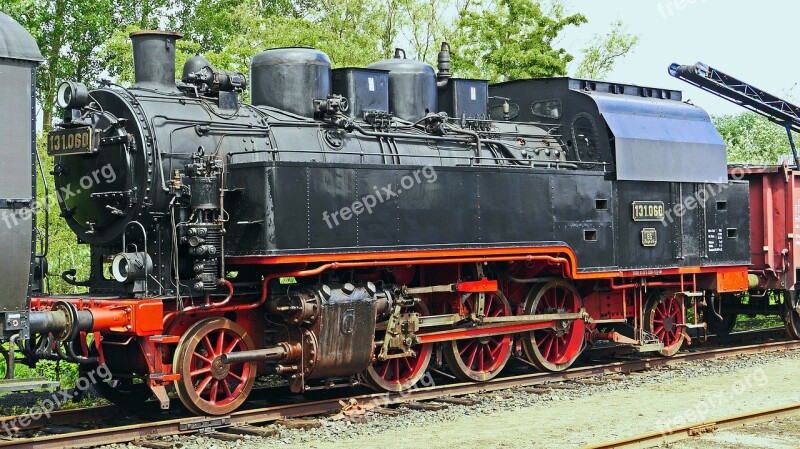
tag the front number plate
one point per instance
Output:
(71, 141)
(648, 210)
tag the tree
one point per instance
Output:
(347, 30)
(512, 39)
(604, 51)
(69, 34)
(208, 22)
(752, 139)
(392, 21)
(425, 25)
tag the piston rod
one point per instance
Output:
(281, 353)
(65, 321)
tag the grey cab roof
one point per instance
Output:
(16, 42)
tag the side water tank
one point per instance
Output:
(365, 89)
(290, 79)
(412, 86)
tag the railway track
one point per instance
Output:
(243, 421)
(700, 428)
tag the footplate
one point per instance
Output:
(33, 383)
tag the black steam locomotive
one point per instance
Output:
(347, 225)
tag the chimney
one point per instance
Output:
(154, 59)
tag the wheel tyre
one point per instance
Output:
(203, 377)
(567, 343)
(482, 349)
(720, 328)
(414, 368)
(725, 326)
(662, 317)
(120, 392)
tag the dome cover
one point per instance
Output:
(412, 86)
(16, 42)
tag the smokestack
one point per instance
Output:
(154, 59)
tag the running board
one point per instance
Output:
(693, 294)
(33, 383)
(650, 347)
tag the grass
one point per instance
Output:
(748, 323)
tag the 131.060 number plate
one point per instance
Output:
(648, 210)
(71, 141)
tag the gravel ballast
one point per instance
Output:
(623, 406)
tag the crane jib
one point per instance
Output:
(743, 94)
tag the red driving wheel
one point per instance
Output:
(481, 358)
(665, 318)
(207, 386)
(554, 349)
(401, 373)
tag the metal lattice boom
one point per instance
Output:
(743, 94)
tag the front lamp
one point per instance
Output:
(130, 267)
(72, 95)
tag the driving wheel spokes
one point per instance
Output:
(401, 373)
(481, 358)
(554, 349)
(665, 318)
(207, 386)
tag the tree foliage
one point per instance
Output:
(64, 253)
(603, 52)
(752, 139)
(492, 39)
(70, 34)
(513, 39)
(347, 30)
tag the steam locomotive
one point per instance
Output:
(360, 225)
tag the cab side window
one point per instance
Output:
(584, 134)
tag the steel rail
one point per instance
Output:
(700, 428)
(183, 426)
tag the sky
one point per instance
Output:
(750, 40)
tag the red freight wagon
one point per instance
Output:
(774, 240)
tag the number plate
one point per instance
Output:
(648, 210)
(649, 237)
(68, 142)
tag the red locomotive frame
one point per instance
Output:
(154, 329)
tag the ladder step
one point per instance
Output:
(650, 347)
(692, 294)
(33, 383)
